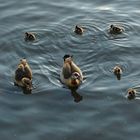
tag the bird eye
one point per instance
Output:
(75, 74)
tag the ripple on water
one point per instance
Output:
(92, 34)
(57, 37)
(50, 112)
(107, 67)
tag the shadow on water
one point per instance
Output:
(118, 76)
(77, 97)
(24, 89)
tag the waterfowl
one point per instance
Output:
(78, 30)
(23, 76)
(29, 36)
(115, 29)
(71, 75)
(131, 93)
(117, 71)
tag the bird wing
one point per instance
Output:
(19, 74)
(28, 72)
(67, 70)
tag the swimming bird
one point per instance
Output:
(131, 93)
(23, 76)
(29, 36)
(115, 29)
(78, 30)
(71, 75)
(117, 71)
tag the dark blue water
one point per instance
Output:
(50, 112)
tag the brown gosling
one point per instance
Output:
(71, 75)
(131, 93)
(117, 71)
(29, 36)
(115, 29)
(79, 30)
(23, 76)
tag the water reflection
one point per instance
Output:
(118, 76)
(24, 89)
(77, 97)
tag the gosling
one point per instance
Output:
(23, 76)
(117, 70)
(115, 29)
(30, 36)
(131, 93)
(79, 30)
(71, 75)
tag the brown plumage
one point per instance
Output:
(131, 93)
(71, 75)
(115, 29)
(23, 75)
(29, 36)
(78, 30)
(117, 70)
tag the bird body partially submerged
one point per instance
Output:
(23, 76)
(71, 75)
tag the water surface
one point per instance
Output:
(51, 112)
